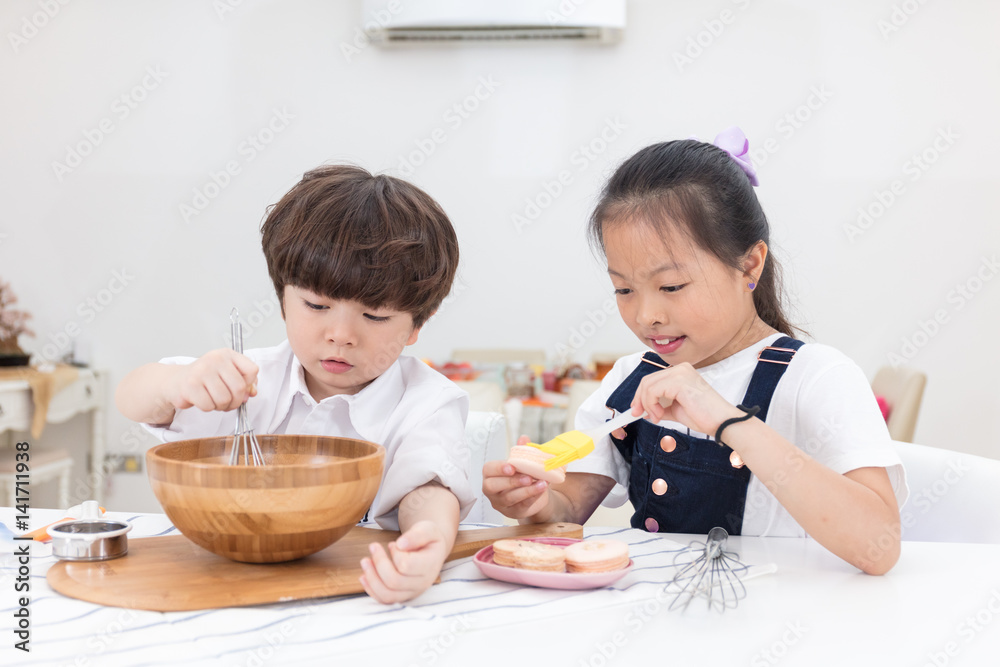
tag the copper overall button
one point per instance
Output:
(652, 525)
(668, 444)
(660, 486)
(736, 460)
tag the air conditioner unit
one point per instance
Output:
(408, 22)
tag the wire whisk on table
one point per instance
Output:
(245, 444)
(707, 570)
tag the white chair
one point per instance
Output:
(44, 465)
(486, 434)
(954, 497)
(579, 391)
(484, 396)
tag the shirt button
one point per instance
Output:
(660, 487)
(736, 460)
(652, 526)
(668, 444)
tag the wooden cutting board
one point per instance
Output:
(172, 573)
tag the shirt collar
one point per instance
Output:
(368, 408)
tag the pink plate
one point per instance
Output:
(570, 581)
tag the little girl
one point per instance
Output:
(745, 427)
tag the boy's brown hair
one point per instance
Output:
(344, 233)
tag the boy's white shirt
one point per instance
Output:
(823, 404)
(413, 411)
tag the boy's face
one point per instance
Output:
(343, 345)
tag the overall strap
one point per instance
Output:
(620, 399)
(771, 364)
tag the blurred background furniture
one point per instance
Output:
(579, 391)
(903, 390)
(486, 434)
(85, 395)
(498, 356)
(44, 465)
(484, 395)
(954, 497)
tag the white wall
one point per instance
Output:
(222, 74)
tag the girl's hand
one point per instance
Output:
(680, 394)
(409, 568)
(514, 494)
(220, 380)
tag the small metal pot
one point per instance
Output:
(89, 539)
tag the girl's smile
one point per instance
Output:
(666, 345)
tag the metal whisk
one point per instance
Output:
(708, 571)
(245, 445)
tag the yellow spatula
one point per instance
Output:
(573, 445)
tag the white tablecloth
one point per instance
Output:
(814, 610)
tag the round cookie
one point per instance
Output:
(503, 551)
(531, 461)
(541, 557)
(596, 556)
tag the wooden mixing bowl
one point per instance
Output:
(312, 490)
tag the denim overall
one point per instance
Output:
(695, 487)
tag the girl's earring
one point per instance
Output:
(751, 286)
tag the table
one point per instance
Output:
(939, 606)
(86, 394)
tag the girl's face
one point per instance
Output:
(678, 299)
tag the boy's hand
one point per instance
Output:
(413, 563)
(220, 380)
(514, 494)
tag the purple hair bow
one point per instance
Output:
(733, 141)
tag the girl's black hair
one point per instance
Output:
(700, 187)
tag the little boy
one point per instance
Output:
(359, 262)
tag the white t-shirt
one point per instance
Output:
(413, 411)
(823, 404)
